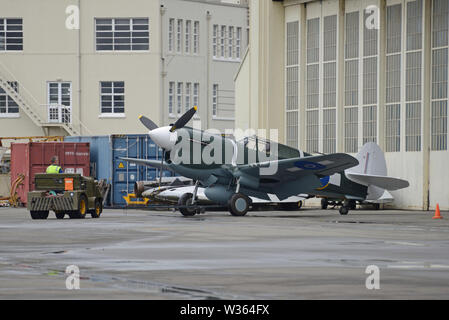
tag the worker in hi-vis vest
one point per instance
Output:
(54, 167)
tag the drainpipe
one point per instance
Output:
(208, 84)
(79, 69)
(163, 71)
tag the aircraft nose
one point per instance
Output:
(162, 137)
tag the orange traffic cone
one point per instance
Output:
(437, 213)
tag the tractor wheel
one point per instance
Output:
(97, 210)
(60, 214)
(82, 209)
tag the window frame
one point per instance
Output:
(112, 114)
(113, 37)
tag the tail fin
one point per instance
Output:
(371, 161)
(372, 171)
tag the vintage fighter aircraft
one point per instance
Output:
(242, 170)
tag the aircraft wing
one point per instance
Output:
(150, 163)
(293, 168)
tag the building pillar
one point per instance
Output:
(340, 77)
(426, 109)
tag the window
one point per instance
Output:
(439, 75)
(171, 30)
(313, 129)
(414, 25)
(187, 36)
(238, 43)
(231, 42)
(393, 128)
(196, 37)
(179, 91)
(226, 42)
(214, 100)
(222, 41)
(313, 40)
(11, 34)
(196, 94)
(59, 102)
(351, 82)
(439, 125)
(440, 23)
(330, 38)
(121, 34)
(351, 129)
(313, 88)
(215, 41)
(330, 85)
(369, 124)
(179, 37)
(394, 28)
(8, 107)
(112, 97)
(413, 127)
(171, 97)
(370, 80)
(351, 60)
(188, 99)
(393, 79)
(352, 35)
(329, 130)
(292, 129)
(313, 85)
(413, 76)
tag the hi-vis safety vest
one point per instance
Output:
(54, 169)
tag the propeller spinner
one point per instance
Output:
(164, 137)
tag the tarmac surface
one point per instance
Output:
(308, 254)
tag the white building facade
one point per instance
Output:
(92, 67)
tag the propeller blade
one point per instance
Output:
(150, 125)
(181, 122)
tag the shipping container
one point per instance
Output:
(105, 152)
(34, 157)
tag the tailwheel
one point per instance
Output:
(239, 204)
(343, 210)
(186, 200)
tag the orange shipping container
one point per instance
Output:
(34, 157)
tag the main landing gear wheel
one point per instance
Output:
(324, 203)
(239, 204)
(186, 200)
